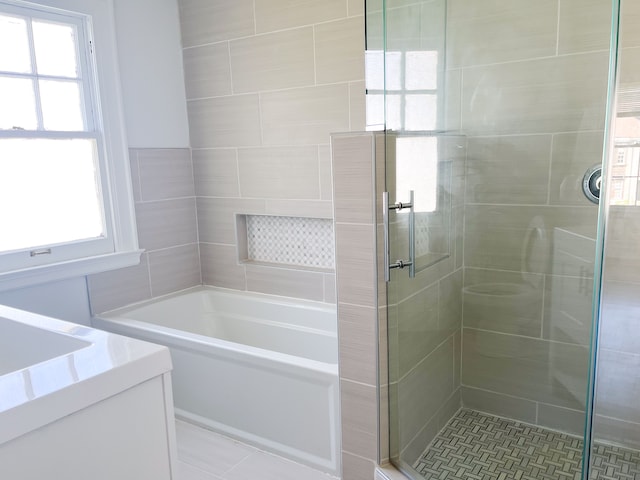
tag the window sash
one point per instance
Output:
(30, 257)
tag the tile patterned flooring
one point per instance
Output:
(205, 455)
(477, 446)
(473, 446)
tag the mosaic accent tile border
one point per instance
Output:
(478, 446)
(307, 242)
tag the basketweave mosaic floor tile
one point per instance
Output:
(477, 446)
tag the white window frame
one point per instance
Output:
(72, 259)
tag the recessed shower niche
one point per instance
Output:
(295, 242)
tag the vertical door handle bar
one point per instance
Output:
(411, 263)
(385, 222)
(412, 237)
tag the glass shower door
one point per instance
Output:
(489, 338)
(615, 451)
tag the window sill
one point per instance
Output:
(73, 268)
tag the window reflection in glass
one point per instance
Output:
(417, 170)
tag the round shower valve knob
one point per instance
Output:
(592, 183)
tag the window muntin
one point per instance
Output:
(52, 155)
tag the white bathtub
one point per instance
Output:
(260, 368)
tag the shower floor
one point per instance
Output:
(478, 446)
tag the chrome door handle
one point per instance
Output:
(411, 263)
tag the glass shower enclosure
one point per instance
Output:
(513, 331)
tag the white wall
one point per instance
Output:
(64, 299)
(150, 54)
(148, 35)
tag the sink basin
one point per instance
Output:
(50, 369)
(22, 346)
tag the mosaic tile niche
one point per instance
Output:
(297, 241)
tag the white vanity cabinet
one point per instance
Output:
(99, 407)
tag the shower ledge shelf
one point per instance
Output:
(288, 266)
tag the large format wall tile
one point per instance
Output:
(117, 288)
(215, 172)
(619, 317)
(630, 14)
(217, 217)
(418, 329)
(339, 50)
(287, 282)
(273, 61)
(165, 174)
(450, 302)
(505, 302)
(207, 71)
(568, 308)
(279, 172)
(563, 419)
(357, 332)
(280, 14)
(508, 170)
(357, 281)
(210, 21)
(174, 269)
(585, 25)
(224, 121)
(424, 390)
(499, 404)
(497, 235)
(220, 266)
(352, 159)
(299, 208)
(556, 94)
(533, 369)
(166, 223)
(304, 116)
(403, 27)
(618, 385)
(167, 230)
(572, 154)
(493, 31)
(616, 431)
(623, 263)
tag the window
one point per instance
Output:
(65, 199)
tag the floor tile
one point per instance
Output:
(480, 446)
(189, 472)
(263, 466)
(208, 451)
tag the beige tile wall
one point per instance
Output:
(165, 204)
(617, 411)
(424, 321)
(425, 375)
(267, 82)
(359, 298)
(533, 86)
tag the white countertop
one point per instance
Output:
(50, 368)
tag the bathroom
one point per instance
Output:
(281, 79)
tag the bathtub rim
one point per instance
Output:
(275, 299)
(203, 343)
